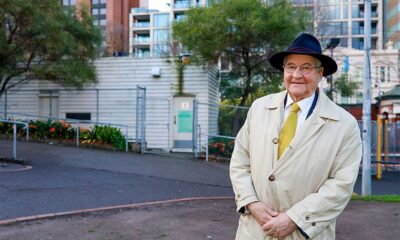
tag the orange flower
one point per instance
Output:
(52, 129)
(216, 145)
(222, 149)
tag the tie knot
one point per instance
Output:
(295, 108)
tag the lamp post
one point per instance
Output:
(334, 42)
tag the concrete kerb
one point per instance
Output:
(93, 210)
(20, 162)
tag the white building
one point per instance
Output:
(114, 98)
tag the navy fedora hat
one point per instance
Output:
(305, 44)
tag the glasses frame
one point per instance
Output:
(301, 68)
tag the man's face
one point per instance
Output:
(301, 85)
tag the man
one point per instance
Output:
(297, 156)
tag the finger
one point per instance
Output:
(271, 212)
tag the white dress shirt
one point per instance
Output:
(304, 105)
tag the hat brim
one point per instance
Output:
(328, 63)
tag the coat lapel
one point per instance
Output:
(275, 108)
(322, 113)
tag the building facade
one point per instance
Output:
(150, 30)
(167, 117)
(112, 17)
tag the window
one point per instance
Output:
(358, 43)
(160, 50)
(161, 36)
(102, 11)
(78, 116)
(382, 74)
(161, 20)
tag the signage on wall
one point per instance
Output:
(185, 121)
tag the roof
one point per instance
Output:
(394, 93)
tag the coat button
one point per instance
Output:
(275, 140)
(271, 178)
(307, 218)
(313, 224)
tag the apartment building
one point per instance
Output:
(112, 17)
(150, 30)
(391, 26)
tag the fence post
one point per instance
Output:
(378, 149)
(386, 142)
(194, 128)
(27, 131)
(77, 134)
(143, 138)
(5, 104)
(206, 148)
(137, 116)
(14, 141)
(97, 106)
(126, 139)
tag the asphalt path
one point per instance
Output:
(68, 178)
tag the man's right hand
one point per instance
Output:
(261, 212)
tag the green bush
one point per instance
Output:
(111, 135)
(64, 131)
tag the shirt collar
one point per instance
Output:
(304, 104)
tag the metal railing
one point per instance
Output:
(14, 126)
(77, 123)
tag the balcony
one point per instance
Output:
(182, 4)
(141, 40)
(141, 24)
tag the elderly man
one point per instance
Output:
(297, 156)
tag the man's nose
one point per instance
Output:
(297, 73)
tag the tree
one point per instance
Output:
(345, 87)
(245, 32)
(39, 39)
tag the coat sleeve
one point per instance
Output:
(240, 172)
(317, 210)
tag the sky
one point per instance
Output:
(159, 4)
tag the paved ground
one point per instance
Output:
(67, 179)
(193, 220)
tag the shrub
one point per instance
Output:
(221, 147)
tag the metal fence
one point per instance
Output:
(215, 137)
(121, 108)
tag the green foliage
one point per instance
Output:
(378, 198)
(220, 147)
(246, 32)
(42, 40)
(346, 87)
(110, 135)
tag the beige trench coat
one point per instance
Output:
(314, 179)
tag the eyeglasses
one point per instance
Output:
(304, 69)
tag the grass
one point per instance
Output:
(378, 198)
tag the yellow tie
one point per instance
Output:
(288, 130)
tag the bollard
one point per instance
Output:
(378, 150)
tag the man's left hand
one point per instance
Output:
(280, 226)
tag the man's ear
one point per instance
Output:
(321, 71)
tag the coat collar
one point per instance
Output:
(327, 109)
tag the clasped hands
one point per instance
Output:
(275, 224)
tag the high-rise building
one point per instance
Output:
(150, 30)
(344, 19)
(391, 28)
(112, 17)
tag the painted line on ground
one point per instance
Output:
(27, 167)
(117, 207)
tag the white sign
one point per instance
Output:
(185, 105)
